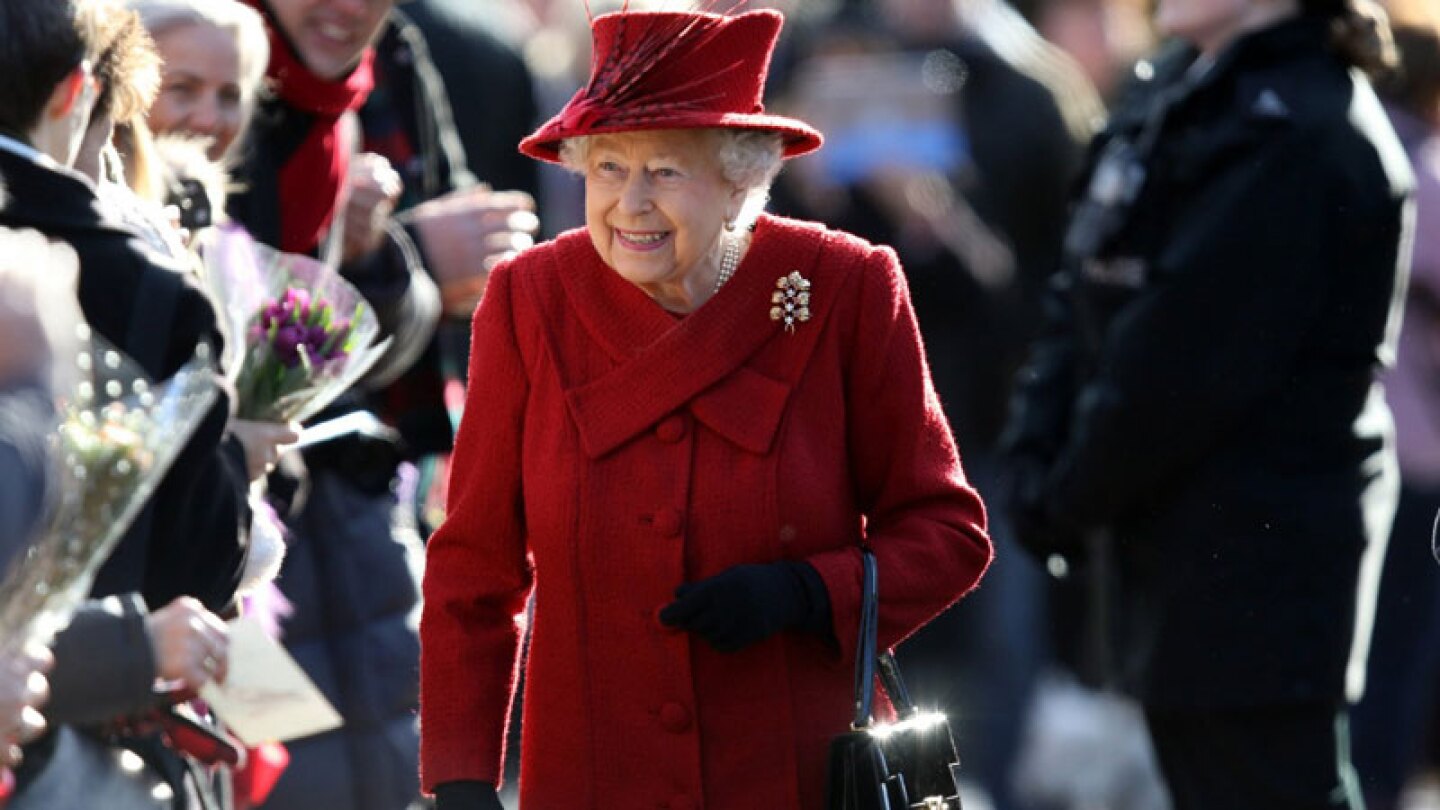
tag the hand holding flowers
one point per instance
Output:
(263, 442)
(300, 334)
(292, 342)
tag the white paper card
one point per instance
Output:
(266, 696)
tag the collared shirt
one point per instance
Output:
(26, 151)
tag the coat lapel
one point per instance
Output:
(661, 365)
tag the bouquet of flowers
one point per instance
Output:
(300, 334)
(118, 434)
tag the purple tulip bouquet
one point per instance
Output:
(117, 436)
(299, 333)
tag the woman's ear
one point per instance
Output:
(735, 203)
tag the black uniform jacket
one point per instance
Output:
(1205, 389)
(193, 539)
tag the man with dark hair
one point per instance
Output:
(133, 298)
(48, 47)
(191, 539)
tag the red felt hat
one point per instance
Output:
(675, 70)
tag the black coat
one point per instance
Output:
(26, 415)
(197, 520)
(1205, 390)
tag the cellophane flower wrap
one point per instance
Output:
(301, 334)
(117, 436)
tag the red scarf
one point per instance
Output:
(312, 177)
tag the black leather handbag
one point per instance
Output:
(906, 765)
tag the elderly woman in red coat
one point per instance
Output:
(683, 421)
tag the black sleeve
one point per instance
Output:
(191, 538)
(200, 532)
(25, 419)
(106, 636)
(1038, 421)
(200, 526)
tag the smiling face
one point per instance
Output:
(200, 90)
(331, 35)
(655, 205)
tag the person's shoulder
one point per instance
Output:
(845, 261)
(143, 289)
(1289, 79)
(1309, 93)
(1332, 114)
(797, 238)
(798, 234)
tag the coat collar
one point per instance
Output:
(50, 198)
(1173, 71)
(660, 365)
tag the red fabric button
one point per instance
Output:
(674, 718)
(671, 430)
(667, 522)
(683, 803)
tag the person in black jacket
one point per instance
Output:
(1202, 409)
(190, 540)
(193, 543)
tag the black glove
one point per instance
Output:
(467, 795)
(1035, 527)
(749, 603)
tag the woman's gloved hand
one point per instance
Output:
(749, 603)
(467, 795)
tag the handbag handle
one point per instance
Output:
(865, 647)
(866, 656)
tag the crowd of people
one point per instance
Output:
(1107, 328)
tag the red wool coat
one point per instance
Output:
(610, 452)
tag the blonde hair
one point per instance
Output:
(127, 65)
(239, 20)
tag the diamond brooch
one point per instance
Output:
(791, 300)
